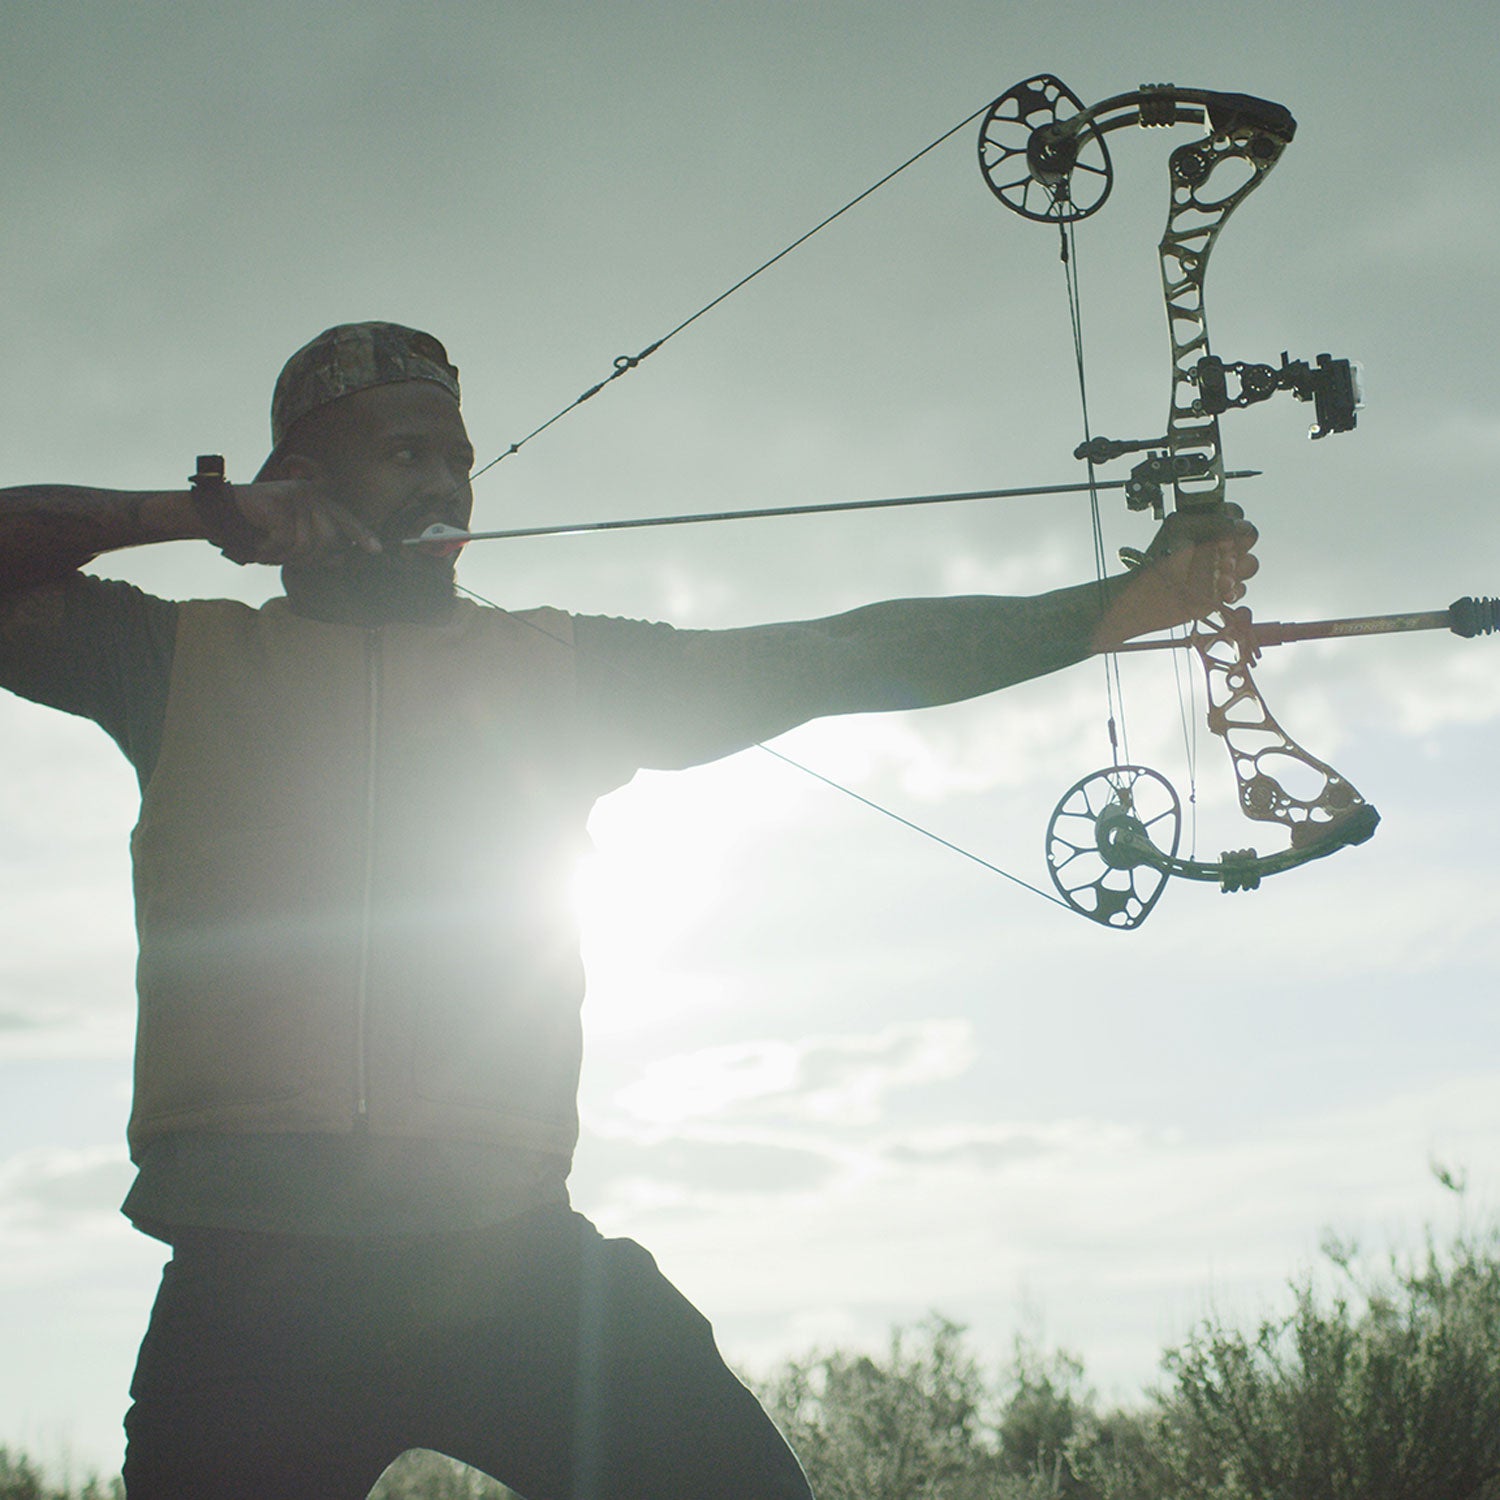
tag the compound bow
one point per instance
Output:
(1112, 841)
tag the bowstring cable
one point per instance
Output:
(1119, 737)
(1187, 711)
(625, 363)
(1187, 700)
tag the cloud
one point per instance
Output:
(836, 1081)
(36, 1026)
(1444, 216)
(805, 1123)
(1053, 563)
(1005, 741)
(56, 1204)
(631, 1172)
(1116, 1237)
(984, 1151)
(1463, 690)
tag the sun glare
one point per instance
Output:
(666, 853)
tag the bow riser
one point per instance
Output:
(1193, 225)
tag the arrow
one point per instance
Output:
(439, 535)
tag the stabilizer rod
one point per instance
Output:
(1467, 617)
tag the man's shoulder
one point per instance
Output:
(79, 600)
(96, 647)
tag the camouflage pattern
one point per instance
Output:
(353, 357)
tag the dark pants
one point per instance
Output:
(562, 1363)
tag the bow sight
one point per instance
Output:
(1333, 386)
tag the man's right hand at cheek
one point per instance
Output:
(299, 525)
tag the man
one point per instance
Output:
(358, 1042)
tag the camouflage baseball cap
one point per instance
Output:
(349, 358)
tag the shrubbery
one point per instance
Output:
(1385, 1388)
(1376, 1386)
(21, 1479)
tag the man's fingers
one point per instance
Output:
(1232, 565)
(1218, 523)
(302, 525)
(1206, 555)
(348, 528)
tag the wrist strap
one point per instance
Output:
(213, 499)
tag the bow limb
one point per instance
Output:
(1330, 813)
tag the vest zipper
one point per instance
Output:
(367, 893)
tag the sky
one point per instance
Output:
(836, 1076)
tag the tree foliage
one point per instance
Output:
(923, 1424)
(904, 1428)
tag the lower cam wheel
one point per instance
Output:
(1101, 840)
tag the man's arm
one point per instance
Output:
(665, 698)
(97, 648)
(661, 697)
(50, 530)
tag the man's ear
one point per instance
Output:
(299, 466)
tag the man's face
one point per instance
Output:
(401, 460)
(398, 457)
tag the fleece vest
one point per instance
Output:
(351, 875)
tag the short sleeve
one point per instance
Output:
(95, 647)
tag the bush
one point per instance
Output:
(21, 1479)
(1388, 1390)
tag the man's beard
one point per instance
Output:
(403, 582)
(400, 583)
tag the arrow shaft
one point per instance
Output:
(639, 523)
